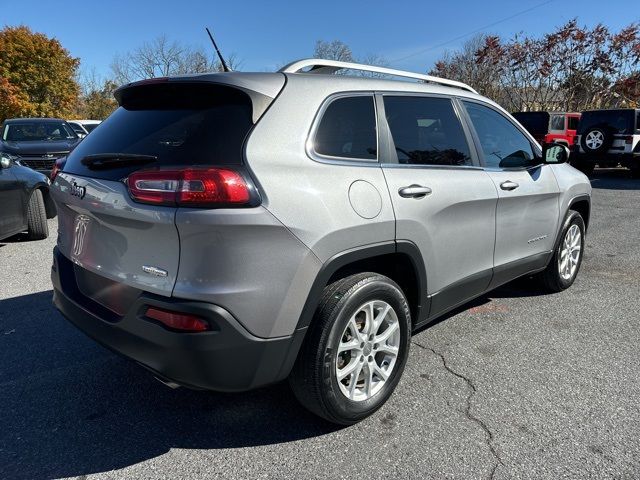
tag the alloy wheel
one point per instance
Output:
(570, 252)
(368, 350)
(594, 139)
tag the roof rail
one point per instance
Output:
(320, 66)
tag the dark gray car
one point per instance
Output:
(232, 230)
(37, 143)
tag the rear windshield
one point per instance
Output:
(618, 121)
(180, 124)
(536, 123)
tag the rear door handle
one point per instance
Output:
(509, 185)
(414, 191)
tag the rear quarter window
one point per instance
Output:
(572, 123)
(347, 129)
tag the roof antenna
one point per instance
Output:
(224, 64)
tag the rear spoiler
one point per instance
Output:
(261, 88)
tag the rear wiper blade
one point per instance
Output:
(104, 161)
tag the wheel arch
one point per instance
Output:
(49, 204)
(582, 205)
(399, 260)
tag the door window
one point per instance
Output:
(503, 145)
(557, 122)
(426, 131)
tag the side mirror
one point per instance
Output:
(555, 153)
(5, 162)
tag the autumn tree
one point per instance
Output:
(99, 102)
(465, 66)
(572, 68)
(37, 75)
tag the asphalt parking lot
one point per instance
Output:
(517, 384)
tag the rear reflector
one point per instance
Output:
(177, 321)
(189, 187)
(57, 166)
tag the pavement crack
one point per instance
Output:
(467, 410)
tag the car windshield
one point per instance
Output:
(37, 132)
(89, 127)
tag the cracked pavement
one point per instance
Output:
(516, 384)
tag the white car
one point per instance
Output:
(83, 127)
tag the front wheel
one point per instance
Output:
(567, 258)
(356, 349)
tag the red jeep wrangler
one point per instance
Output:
(554, 127)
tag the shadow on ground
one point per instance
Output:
(614, 179)
(70, 408)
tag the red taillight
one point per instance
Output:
(56, 168)
(189, 187)
(628, 140)
(177, 321)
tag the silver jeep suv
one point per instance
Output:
(232, 230)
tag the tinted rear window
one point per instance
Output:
(536, 123)
(180, 124)
(619, 121)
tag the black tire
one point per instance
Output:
(37, 217)
(551, 277)
(635, 171)
(603, 133)
(314, 379)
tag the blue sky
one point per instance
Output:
(265, 35)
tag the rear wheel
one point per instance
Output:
(565, 264)
(356, 349)
(37, 217)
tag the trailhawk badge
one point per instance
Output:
(155, 271)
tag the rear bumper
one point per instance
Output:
(227, 358)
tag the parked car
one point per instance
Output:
(37, 142)
(25, 200)
(83, 127)
(554, 127)
(232, 230)
(608, 138)
(79, 129)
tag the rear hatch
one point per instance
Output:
(161, 125)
